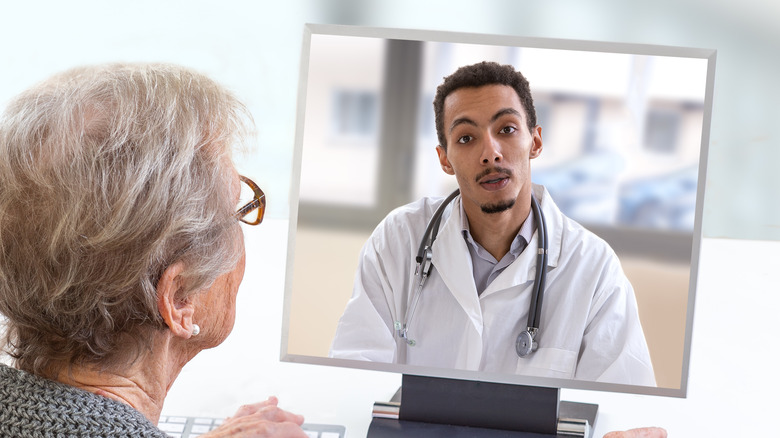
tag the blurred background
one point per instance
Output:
(254, 48)
(622, 132)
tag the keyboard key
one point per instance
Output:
(200, 428)
(172, 427)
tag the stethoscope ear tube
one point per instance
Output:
(534, 311)
(433, 228)
(526, 340)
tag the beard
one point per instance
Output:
(501, 206)
(498, 207)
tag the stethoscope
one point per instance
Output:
(526, 343)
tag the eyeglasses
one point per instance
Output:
(252, 211)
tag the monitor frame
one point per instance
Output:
(497, 40)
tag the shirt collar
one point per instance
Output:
(519, 243)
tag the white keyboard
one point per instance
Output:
(191, 427)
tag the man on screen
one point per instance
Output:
(477, 299)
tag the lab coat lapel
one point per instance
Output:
(452, 260)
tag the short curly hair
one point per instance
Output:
(109, 174)
(477, 75)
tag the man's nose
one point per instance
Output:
(491, 150)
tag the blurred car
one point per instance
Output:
(662, 202)
(585, 188)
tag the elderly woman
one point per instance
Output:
(121, 249)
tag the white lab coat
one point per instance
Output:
(589, 330)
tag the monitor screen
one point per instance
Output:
(625, 132)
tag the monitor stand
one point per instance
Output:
(438, 407)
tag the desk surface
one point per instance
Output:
(732, 380)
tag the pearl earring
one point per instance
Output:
(195, 329)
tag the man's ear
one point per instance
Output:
(536, 147)
(444, 161)
(175, 311)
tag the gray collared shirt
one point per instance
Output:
(485, 267)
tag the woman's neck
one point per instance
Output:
(143, 385)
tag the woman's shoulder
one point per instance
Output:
(26, 399)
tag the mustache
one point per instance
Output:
(486, 172)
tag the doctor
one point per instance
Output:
(477, 298)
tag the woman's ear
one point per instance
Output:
(176, 312)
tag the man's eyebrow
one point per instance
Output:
(461, 121)
(504, 112)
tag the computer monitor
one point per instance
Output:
(625, 129)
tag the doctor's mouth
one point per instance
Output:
(494, 179)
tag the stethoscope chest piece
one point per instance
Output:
(525, 343)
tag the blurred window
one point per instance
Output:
(355, 112)
(661, 130)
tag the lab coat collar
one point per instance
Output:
(554, 219)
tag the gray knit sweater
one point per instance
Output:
(31, 406)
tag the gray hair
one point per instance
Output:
(109, 174)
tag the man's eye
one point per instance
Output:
(464, 139)
(508, 130)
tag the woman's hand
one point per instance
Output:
(642, 432)
(264, 419)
